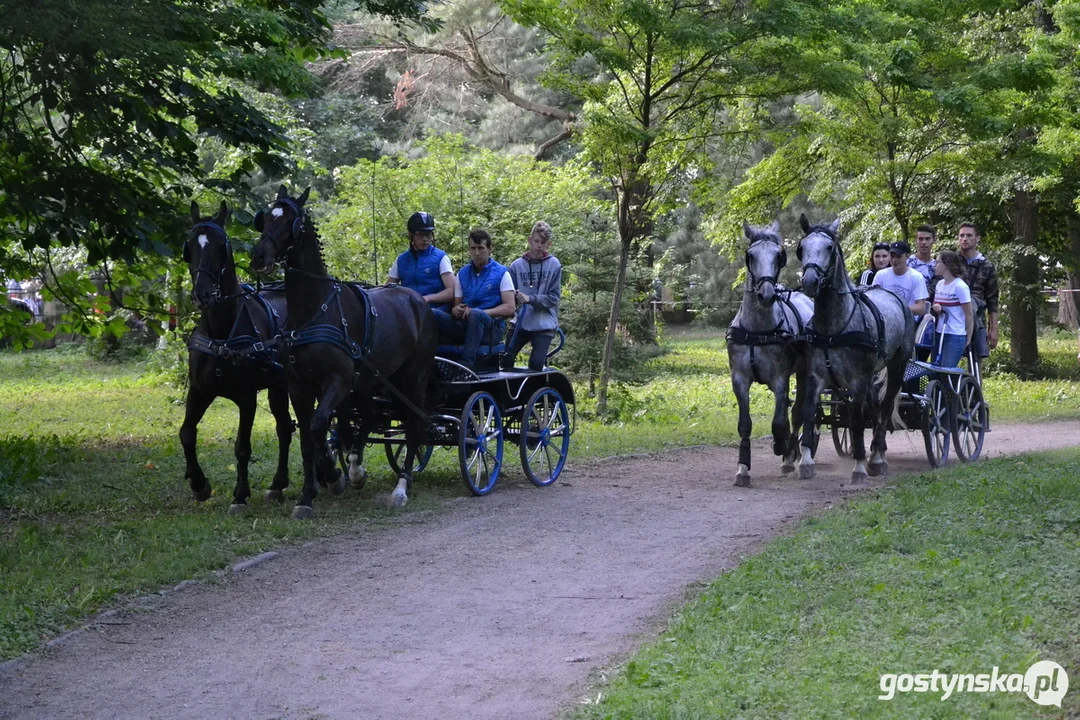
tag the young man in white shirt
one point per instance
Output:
(908, 284)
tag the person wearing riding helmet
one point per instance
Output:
(879, 260)
(424, 267)
(537, 277)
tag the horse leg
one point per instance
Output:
(197, 403)
(242, 450)
(792, 456)
(279, 406)
(808, 411)
(886, 412)
(415, 429)
(333, 394)
(781, 426)
(740, 384)
(353, 443)
(304, 407)
(861, 402)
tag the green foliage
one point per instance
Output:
(463, 187)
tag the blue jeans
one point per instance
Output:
(541, 342)
(951, 350)
(478, 329)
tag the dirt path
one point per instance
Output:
(499, 608)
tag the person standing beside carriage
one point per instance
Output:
(483, 298)
(424, 267)
(923, 261)
(537, 277)
(879, 260)
(982, 279)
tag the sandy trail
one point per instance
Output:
(499, 608)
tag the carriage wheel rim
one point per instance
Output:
(545, 419)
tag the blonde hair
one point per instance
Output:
(542, 229)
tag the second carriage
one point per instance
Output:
(945, 404)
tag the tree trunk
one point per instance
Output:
(1024, 290)
(634, 223)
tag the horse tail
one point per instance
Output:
(882, 380)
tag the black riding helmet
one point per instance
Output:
(421, 222)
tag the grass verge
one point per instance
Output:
(960, 571)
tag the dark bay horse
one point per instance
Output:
(342, 344)
(228, 356)
(762, 346)
(857, 334)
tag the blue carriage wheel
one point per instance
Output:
(545, 436)
(969, 429)
(480, 443)
(395, 456)
(938, 417)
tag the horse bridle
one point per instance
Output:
(823, 272)
(755, 281)
(297, 230)
(200, 270)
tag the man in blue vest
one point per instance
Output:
(483, 299)
(424, 267)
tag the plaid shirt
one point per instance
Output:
(982, 279)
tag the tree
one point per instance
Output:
(672, 73)
(103, 103)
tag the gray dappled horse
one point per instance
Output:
(762, 348)
(340, 342)
(228, 356)
(857, 334)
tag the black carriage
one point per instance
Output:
(945, 404)
(480, 412)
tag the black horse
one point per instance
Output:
(342, 344)
(229, 355)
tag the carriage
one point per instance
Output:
(945, 404)
(480, 413)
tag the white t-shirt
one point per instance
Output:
(911, 286)
(507, 283)
(950, 296)
(444, 267)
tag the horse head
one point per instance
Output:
(208, 255)
(765, 258)
(281, 228)
(819, 252)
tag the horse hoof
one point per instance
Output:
(303, 512)
(237, 508)
(742, 481)
(338, 486)
(398, 499)
(202, 495)
(876, 469)
(858, 477)
(357, 475)
(806, 471)
(787, 468)
(273, 496)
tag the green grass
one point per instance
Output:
(959, 571)
(93, 504)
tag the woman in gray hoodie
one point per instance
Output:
(537, 277)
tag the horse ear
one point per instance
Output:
(195, 214)
(222, 214)
(774, 227)
(834, 226)
(747, 230)
(804, 223)
(303, 198)
(283, 192)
